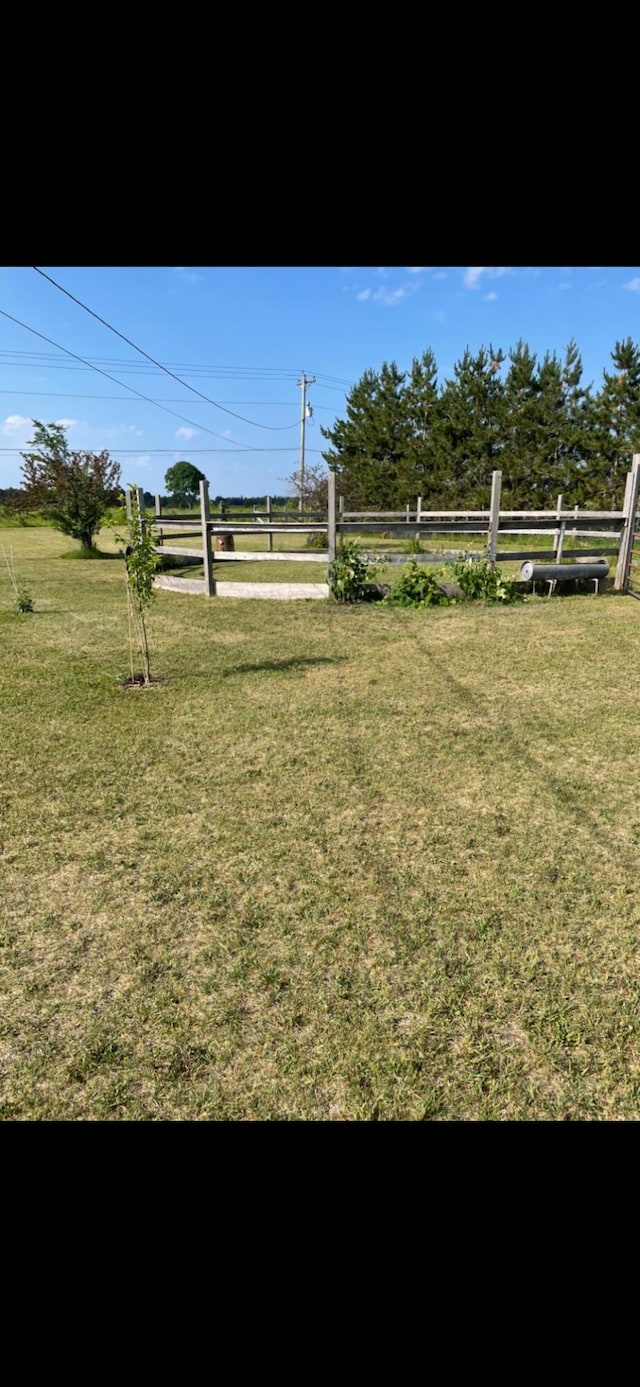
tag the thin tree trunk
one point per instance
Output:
(145, 651)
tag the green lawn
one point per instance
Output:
(356, 863)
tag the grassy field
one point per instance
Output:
(338, 864)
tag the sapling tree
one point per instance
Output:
(141, 563)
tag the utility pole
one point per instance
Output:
(304, 382)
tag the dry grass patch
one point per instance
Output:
(341, 863)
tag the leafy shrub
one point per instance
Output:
(417, 588)
(22, 593)
(72, 490)
(413, 545)
(24, 600)
(317, 541)
(349, 573)
(482, 581)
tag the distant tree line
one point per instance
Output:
(247, 502)
(404, 434)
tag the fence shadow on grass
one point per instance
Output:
(572, 799)
(275, 666)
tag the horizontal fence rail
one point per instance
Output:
(503, 556)
(619, 527)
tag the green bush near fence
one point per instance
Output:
(349, 573)
(417, 587)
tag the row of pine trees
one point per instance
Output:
(406, 435)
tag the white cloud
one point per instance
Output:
(416, 269)
(438, 316)
(442, 274)
(187, 276)
(565, 285)
(226, 433)
(67, 423)
(489, 298)
(381, 271)
(474, 273)
(633, 285)
(142, 460)
(391, 297)
(182, 432)
(15, 424)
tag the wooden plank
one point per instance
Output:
(626, 539)
(187, 535)
(551, 515)
(452, 527)
(512, 554)
(503, 556)
(494, 515)
(331, 516)
(280, 555)
(215, 528)
(270, 519)
(157, 506)
(179, 553)
(559, 542)
(165, 580)
(283, 592)
(207, 557)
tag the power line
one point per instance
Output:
(142, 452)
(241, 447)
(253, 422)
(139, 369)
(250, 371)
(71, 395)
(51, 361)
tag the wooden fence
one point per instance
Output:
(230, 522)
(616, 532)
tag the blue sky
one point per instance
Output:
(242, 336)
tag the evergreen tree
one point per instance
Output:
(617, 414)
(370, 448)
(424, 475)
(521, 442)
(471, 427)
(580, 444)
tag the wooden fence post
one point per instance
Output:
(128, 502)
(559, 536)
(494, 515)
(269, 521)
(158, 513)
(207, 556)
(331, 516)
(632, 488)
(418, 509)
